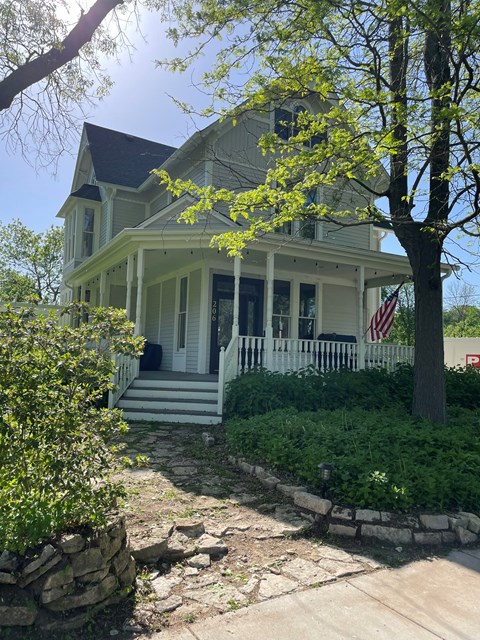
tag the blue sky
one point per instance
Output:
(140, 104)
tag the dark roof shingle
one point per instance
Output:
(119, 158)
(89, 192)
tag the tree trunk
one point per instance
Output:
(429, 397)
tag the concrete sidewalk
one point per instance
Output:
(421, 601)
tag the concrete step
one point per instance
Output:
(144, 383)
(146, 404)
(177, 417)
(170, 394)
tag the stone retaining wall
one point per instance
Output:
(397, 529)
(67, 579)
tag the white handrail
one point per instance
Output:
(227, 370)
(127, 368)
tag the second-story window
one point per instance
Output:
(289, 123)
(88, 226)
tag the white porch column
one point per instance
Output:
(140, 272)
(237, 270)
(128, 302)
(102, 301)
(269, 326)
(360, 324)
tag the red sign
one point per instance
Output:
(472, 359)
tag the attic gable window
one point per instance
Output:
(88, 225)
(286, 125)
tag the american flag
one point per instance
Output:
(382, 322)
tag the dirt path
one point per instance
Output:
(257, 544)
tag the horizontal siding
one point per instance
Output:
(196, 174)
(152, 313)
(170, 221)
(339, 305)
(357, 237)
(159, 202)
(240, 143)
(126, 215)
(193, 323)
(167, 322)
(236, 177)
(118, 296)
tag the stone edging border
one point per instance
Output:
(397, 529)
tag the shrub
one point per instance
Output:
(260, 391)
(56, 445)
(383, 459)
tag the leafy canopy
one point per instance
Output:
(31, 264)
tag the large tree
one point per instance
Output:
(52, 54)
(400, 83)
(31, 264)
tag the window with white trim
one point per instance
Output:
(70, 236)
(88, 232)
(182, 314)
(307, 312)
(281, 309)
(288, 124)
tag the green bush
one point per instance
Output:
(260, 391)
(56, 445)
(383, 459)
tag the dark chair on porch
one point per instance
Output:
(337, 358)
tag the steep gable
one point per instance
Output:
(123, 159)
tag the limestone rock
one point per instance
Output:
(270, 482)
(169, 604)
(87, 561)
(473, 521)
(247, 468)
(112, 547)
(212, 546)
(427, 537)
(54, 560)
(151, 547)
(312, 502)
(163, 586)
(16, 607)
(120, 561)
(128, 575)
(48, 621)
(95, 595)
(95, 576)
(305, 572)
(72, 543)
(220, 596)
(61, 576)
(464, 536)
(340, 513)
(433, 521)
(367, 515)
(336, 529)
(289, 490)
(200, 561)
(190, 528)
(47, 552)
(49, 595)
(387, 534)
(7, 578)
(8, 561)
(272, 586)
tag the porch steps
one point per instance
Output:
(177, 400)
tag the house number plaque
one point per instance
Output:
(214, 311)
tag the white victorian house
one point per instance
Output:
(301, 297)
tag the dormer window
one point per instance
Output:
(287, 125)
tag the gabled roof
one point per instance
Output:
(88, 192)
(119, 158)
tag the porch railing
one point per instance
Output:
(387, 356)
(289, 354)
(127, 369)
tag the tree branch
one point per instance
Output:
(36, 69)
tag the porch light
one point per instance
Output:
(325, 470)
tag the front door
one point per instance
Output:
(250, 315)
